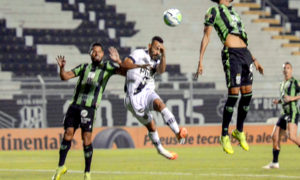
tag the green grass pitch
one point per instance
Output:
(137, 164)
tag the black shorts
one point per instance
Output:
(238, 65)
(80, 116)
(287, 118)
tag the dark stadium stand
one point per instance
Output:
(88, 31)
(293, 19)
(287, 15)
(292, 14)
(22, 60)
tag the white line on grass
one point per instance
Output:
(158, 173)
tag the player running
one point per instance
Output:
(237, 62)
(289, 90)
(141, 97)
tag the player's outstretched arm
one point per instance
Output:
(204, 43)
(64, 75)
(291, 98)
(126, 64)
(161, 68)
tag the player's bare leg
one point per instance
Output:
(292, 133)
(153, 135)
(170, 120)
(276, 135)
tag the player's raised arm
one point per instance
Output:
(64, 75)
(204, 43)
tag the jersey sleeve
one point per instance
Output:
(210, 16)
(77, 70)
(134, 56)
(111, 67)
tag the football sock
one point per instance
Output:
(243, 110)
(170, 120)
(155, 140)
(227, 113)
(275, 155)
(63, 151)
(88, 153)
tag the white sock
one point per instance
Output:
(155, 140)
(170, 120)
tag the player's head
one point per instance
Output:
(96, 52)
(155, 47)
(287, 70)
(218, 1)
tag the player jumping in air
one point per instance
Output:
(237, 62)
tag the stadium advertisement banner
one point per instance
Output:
(126, 137)
(28, 112)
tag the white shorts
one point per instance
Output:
(141, 104)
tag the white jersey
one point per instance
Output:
(139, 79)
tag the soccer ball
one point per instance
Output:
(172, 17)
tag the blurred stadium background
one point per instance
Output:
(34, 32)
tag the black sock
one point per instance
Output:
(275, 155)
(64, 148)
(227, 113)
(243, 110)
(88, 153)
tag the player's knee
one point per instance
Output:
(87, 138)
(158, 105)
(68, 134)
(292, 136)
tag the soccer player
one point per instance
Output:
(237, 62)
(289, 90)
(93, 78)
(141, 97)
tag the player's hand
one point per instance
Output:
(199, 71)
(61, 61)
(114, 55)
(258, 67)
(162, 50)
(275, 101)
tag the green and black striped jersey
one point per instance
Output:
(289, 88)
(225, 21)
(91, 83)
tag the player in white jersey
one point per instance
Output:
(141, 97)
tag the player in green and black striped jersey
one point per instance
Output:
(93, 78)
(237, 62)
(289, 90)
